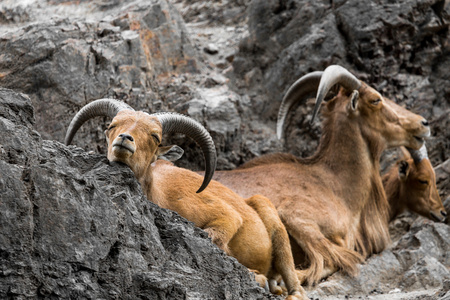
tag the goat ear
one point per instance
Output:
(403, 169)
(353, 104)
(354, 99)
(170, 153)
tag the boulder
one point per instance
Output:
(74, 225)
(68, 230)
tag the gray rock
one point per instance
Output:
(64, 64)
(396, 47)
(76, 226)
(65, 54)
(211, 49)
(418, 261)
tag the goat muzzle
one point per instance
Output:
(439, 217)
(124, 142)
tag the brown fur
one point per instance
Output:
(333, 203)
(247, 229)
(410, 185)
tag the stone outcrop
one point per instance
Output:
(75, 226)
(399, 47)
(65, 63)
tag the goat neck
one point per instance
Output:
(392, 187)
(350, 153)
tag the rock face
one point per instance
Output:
(414, 267)
(64, 64)
(73, 225)
(399, 47)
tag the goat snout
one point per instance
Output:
(123, 144)
(426, 126)
(421, 132)
(126, 136)
(441, 217)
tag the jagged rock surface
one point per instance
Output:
(75, 226)
(65, 54)
(399, 47)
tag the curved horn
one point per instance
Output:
(173, 122)
(307, 84)
(405, 152)
(420, 154)
(102, 107)
(332, 75)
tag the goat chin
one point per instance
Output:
(120, 154)
(436, 217)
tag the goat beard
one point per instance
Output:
(120, 153)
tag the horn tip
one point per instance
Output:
(313, 117)
(279, 131)
(201, 189)
(67, 141)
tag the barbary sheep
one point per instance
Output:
(333, 203)
(247, 229)
(411, 184)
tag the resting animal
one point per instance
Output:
(333, 203)
(248, 229)
(411, 185)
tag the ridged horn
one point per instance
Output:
(98, 108)
(332, 75)
(406, 154)
(419, 155)
(174, 122)
(307, 84)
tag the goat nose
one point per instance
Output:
(425, 123)
(443, 213)
(126, 136)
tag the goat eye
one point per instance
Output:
(375, 102)
(111, 127)
(156, 137)
(423, 181)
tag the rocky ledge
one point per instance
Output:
(73, 225)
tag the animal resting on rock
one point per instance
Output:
(411, 185)
(333, 203)
(247, 229)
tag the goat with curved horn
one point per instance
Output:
(333, 203)
(171, 123)
(411, 185)
(248, 229)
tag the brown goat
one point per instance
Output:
(411, 185)
(333, 204)
(247, 229)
